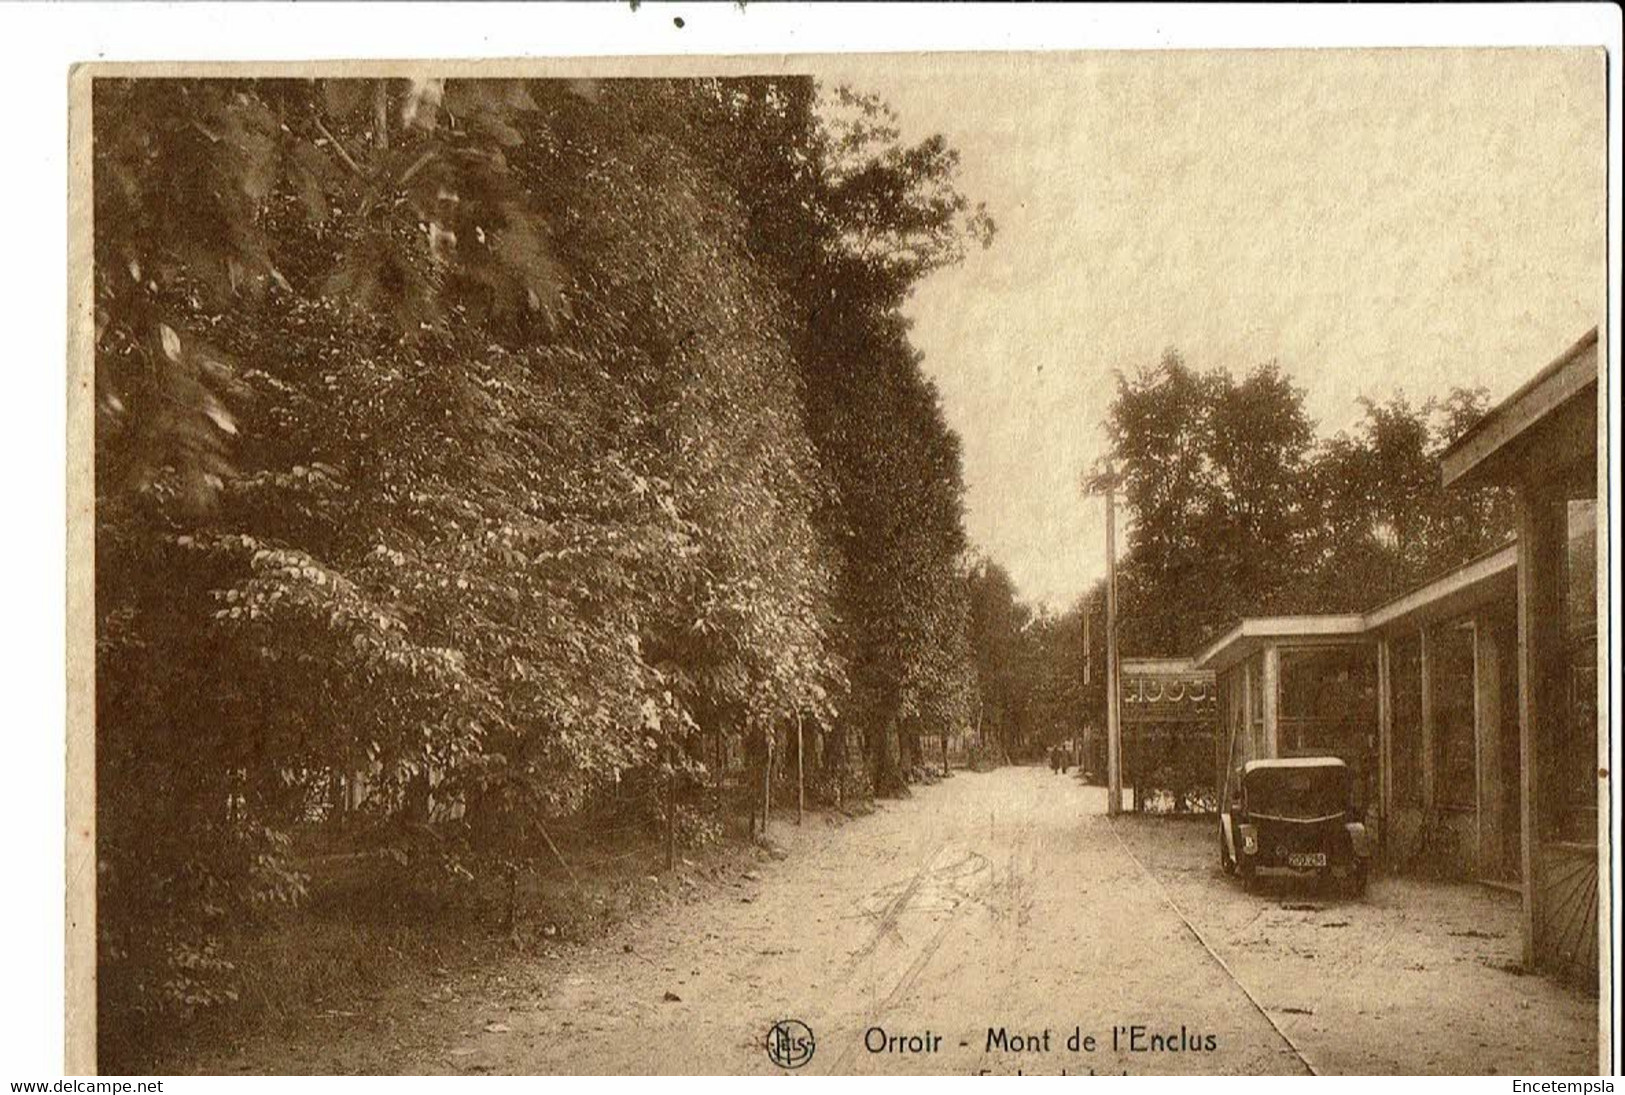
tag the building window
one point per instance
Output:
(1503, 625)
(1255, 705)
(1328, 706)
(1406, 654)
(1575, 767)
(1450, 652)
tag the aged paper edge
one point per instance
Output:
(80, 1018)
(79, 921)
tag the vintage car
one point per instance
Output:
(1295, 814)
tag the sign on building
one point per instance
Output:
(1167, 690)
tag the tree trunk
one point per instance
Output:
(671, 810)
(885, 773)
(767, 780)
(380, 114)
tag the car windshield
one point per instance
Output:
(1298, 792)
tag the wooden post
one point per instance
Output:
(1246, 672)
(1272, 700)
(801, 784)
(1385, 743)
(1540, 655)
(1428, 797)
(945, 751)
(1487, 745)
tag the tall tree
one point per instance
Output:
(469, 448)
(1213, 473)
(1238, 510)
(483, 558)
(849, 218)
(1385, 520)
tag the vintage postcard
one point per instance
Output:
(992, 563)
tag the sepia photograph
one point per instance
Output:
(998, 563)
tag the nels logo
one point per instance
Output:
(790, 1043)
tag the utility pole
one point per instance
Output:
(1114, 723)
(1106, 484)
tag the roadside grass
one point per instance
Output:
(369, 940)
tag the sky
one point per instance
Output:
(1374, 221)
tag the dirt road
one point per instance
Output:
(1007, 902)
(1414, 977)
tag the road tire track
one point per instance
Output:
(887, 923)
(1211, 953)
(912, 973)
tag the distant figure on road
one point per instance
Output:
(1054, 759)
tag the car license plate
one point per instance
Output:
(1306, 859)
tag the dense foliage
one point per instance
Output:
(469, 450)
(472, 454)
(1233, 506)
(1030, 665)
(1238, 510)
(846, 251)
